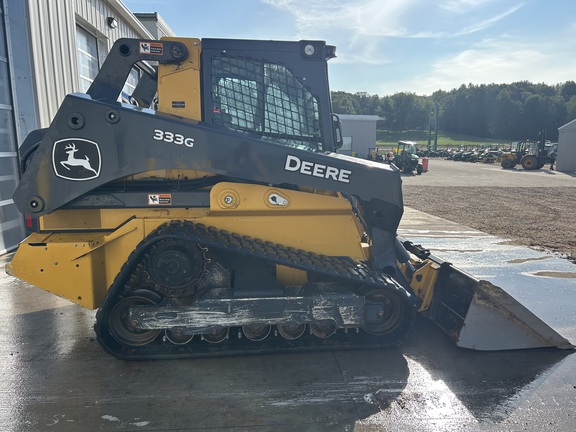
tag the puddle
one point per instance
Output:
(524, 260)
(459, 250)
(556, 274)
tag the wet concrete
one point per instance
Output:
(57, 378)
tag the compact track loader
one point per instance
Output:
(211, 215)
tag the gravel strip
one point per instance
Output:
(541, 217)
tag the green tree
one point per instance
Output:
(385, 111)
(570, 110)
(506, 111)
(368, 104)
(343, 103)
(507, 118)
(568, 90)
(409, 112)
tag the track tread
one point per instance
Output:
(335, 268)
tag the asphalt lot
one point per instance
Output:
(57, 378)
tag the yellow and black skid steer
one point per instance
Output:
(209, 213)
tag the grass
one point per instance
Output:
(389, 139)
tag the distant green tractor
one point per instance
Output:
(406, 157)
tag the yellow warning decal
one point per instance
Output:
(147, 47)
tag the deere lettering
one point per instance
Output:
(294, 163)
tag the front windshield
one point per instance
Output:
(408, 148)
(266, 99)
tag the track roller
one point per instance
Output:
(177, 336)
(256, 332)
(323, 329)
(216, 335)
(291, 330)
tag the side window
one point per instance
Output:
(346, 143)
(130, 85)
(266, 99)
(88, 64)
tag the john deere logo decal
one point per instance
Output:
(76, 159)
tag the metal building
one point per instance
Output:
(359, 134)
(47, 50)
(566, 159)
(154, 24)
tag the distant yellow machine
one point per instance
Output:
(532, 155)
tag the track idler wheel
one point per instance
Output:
(384, 312)
(120, 326)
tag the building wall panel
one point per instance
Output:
(53, 39)
(11, 223)
(52, 46)
(95, 13)
(38, 44)
(566, 159)
(362, 129)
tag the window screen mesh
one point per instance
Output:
(266, 99)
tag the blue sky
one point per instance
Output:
(390, 46)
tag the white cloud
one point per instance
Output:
(357, 28)
(362, 28)
(385, 46)
(362, 18)
(460, 6)
(481, 25)
(498, 61)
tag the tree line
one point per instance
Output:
(513, 112)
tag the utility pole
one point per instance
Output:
(429, 131)
(433, 121)
(435, 126)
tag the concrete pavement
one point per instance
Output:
(57, 378)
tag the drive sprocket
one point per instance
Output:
(176, 266)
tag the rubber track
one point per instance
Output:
(335, 268)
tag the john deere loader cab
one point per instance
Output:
(406, 157)
(215, 218)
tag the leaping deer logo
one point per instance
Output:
(76, 159)
(73, 161)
